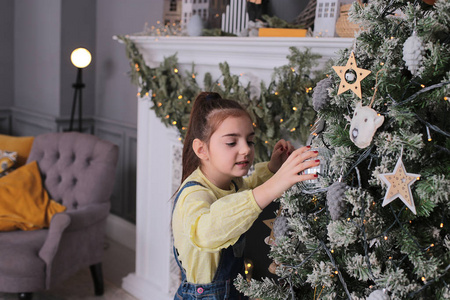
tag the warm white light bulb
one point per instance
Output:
(81, 58)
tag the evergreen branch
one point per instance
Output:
(443, 149)
(341, 279)
(362, 157)
(412, 294)
(414, 96)
(333, 262)
(389, 228)
(291, 288)
(364, 241)
(401, 226)
(304, 261)
(433, 127)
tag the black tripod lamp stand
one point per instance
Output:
(81, 58)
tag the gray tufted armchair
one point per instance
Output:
(78, 170)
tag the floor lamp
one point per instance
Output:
(81, 58)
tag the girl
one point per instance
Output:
(215, 205)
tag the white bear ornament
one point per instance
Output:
(363, 125)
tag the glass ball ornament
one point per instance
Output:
(350, 76)
(310, 186)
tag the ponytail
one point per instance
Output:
(202, 124)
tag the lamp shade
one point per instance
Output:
(81, 58)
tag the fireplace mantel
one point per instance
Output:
(159, 150)
(245, 55)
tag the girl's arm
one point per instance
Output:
(216, 224)
(261, 174)
(286, 176)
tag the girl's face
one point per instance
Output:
(230, 151)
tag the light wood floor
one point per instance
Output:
(119, 261)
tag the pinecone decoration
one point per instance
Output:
(280, 227)
(335, 194)
(320, 96)
(378, 295)
(413, 51)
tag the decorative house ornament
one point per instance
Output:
(399, 185)
(235, 19)
(327, 13)
(345, 28)
(351, 76)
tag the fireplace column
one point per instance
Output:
(158, 173)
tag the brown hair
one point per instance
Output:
(208, 112)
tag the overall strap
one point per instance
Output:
(188, 184)
(175, 252)
(228, 268)
(235, 185)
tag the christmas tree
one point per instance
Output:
(375, 225)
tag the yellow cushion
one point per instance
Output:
(20, 144)
(24, 202)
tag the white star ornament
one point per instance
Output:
(399, 185)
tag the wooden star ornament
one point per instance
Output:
(399, 185)
(270, 240)
(351, 76)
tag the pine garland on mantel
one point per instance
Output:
(283, 108)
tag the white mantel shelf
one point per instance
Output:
(257, 55)
(159, 150)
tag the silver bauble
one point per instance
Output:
(378, 295)
(350, 76)
(313, 185)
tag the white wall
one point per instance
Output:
(37, 41)
(6, 54)
(77, 30)
(115, 95)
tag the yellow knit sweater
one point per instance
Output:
(207, 219)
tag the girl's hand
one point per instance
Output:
(281, 152)
(286, 176)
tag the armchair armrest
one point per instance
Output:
(70, 221)
(87, 216)
(58, 224)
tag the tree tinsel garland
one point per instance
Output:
(283, 108)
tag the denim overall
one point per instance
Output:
(221, 286)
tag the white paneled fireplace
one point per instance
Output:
(159, 150)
